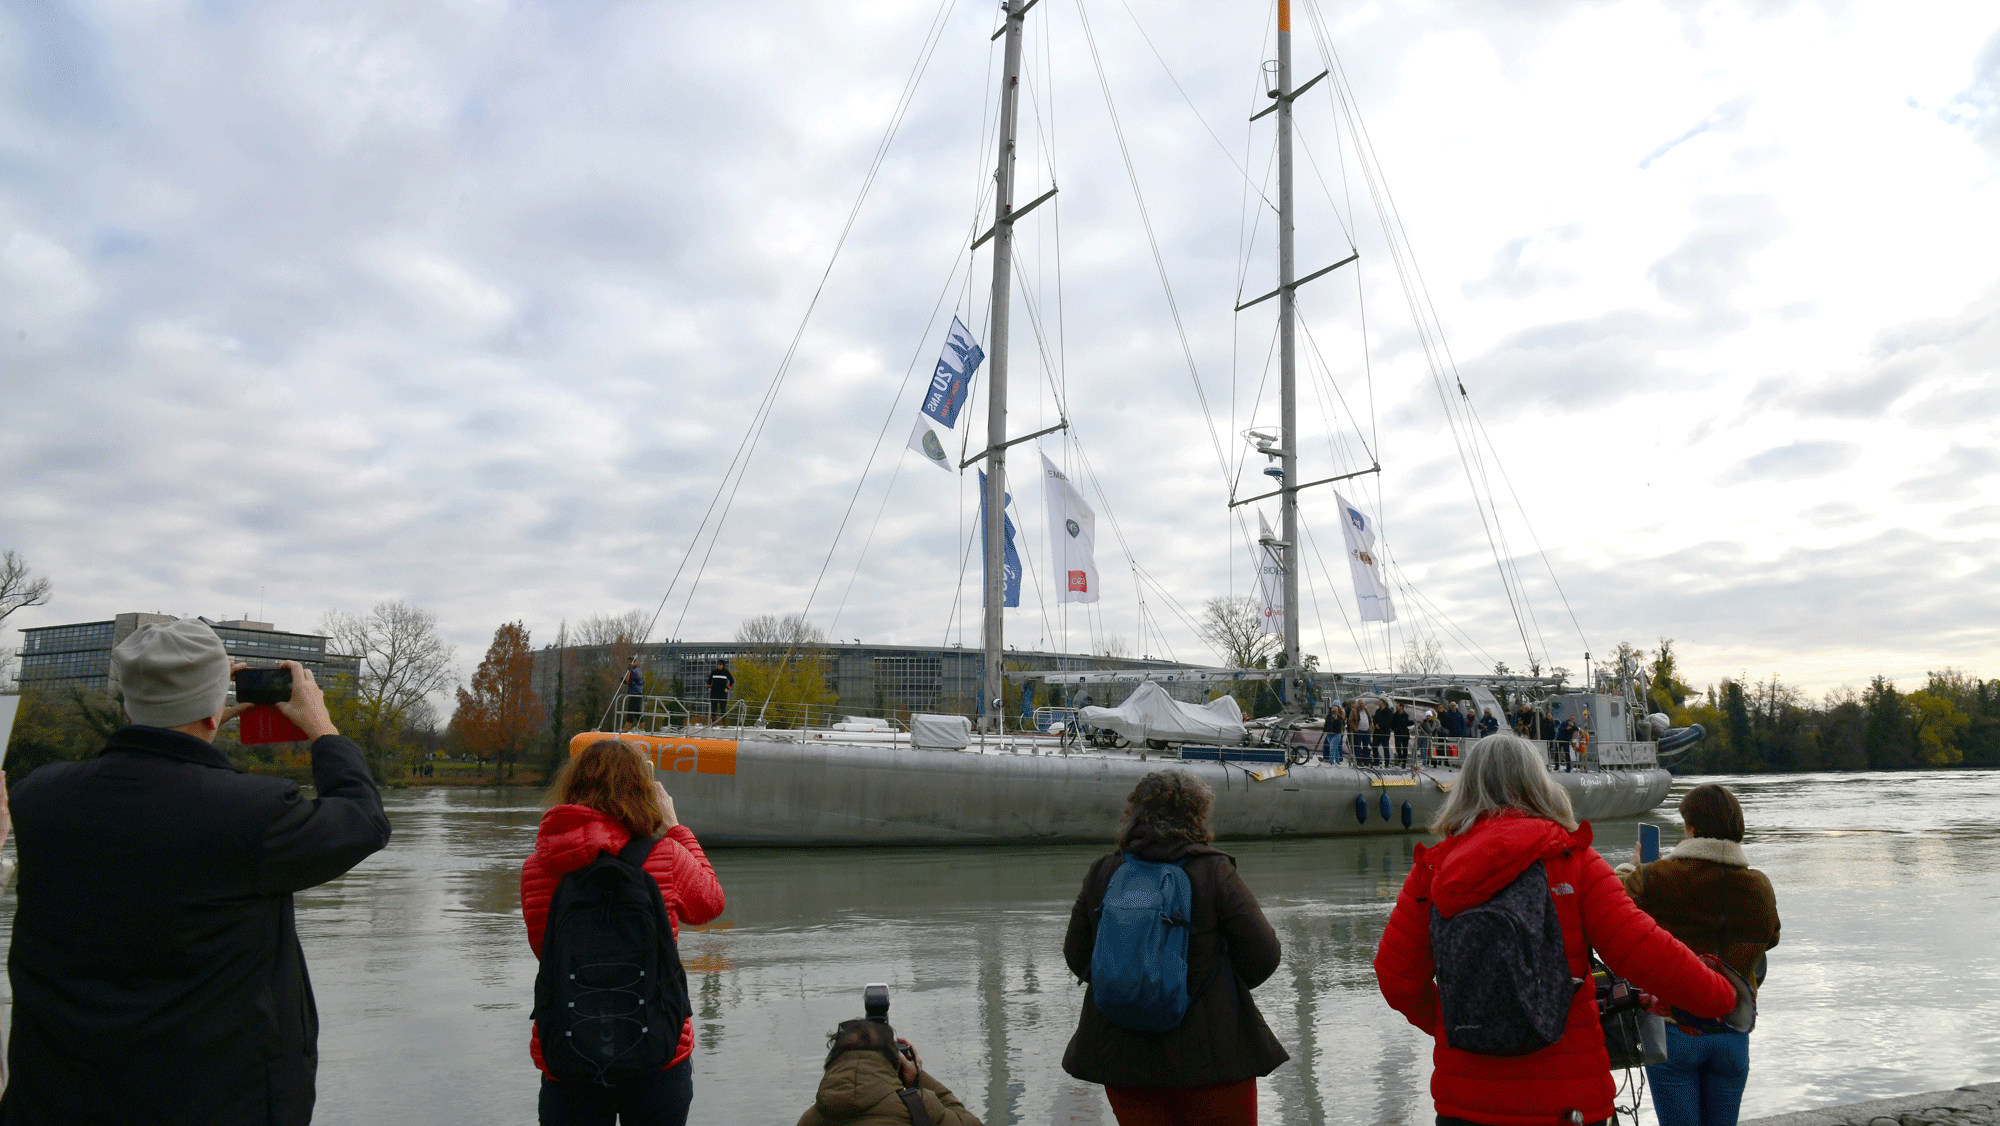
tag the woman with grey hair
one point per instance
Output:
(1505, 815)
(1204, 1066)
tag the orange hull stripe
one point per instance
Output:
(699, 756)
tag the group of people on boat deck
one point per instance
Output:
(158, 977)
(1390, 732)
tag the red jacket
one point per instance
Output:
(571, 836)
(1573, 1073)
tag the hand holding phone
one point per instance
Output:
(1649, 843)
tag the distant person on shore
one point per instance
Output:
(1199, 1064)
(720, 682)
(1706, 894)
(605, 799)
(869, 1081)
(1334, 731)
(156, 967)
(635, 693)
(1512, 843)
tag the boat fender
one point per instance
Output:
(1409, 815)
(1361, 809)
(1386, 812)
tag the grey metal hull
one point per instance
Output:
(823, 793)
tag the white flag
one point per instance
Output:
(1369, 590)
(1072, 537)
(1270, 579)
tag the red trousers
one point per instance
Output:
(1227, 1104)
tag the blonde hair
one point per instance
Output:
(1502, 772)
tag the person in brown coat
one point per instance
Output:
(869, 1082)
(1706, 894)
(1206, 1069)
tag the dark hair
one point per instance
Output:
(1712, 811)
(864, 1035)
(1165, 805)
(615, 778)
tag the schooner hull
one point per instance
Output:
(780, 792)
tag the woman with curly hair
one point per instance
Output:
(1205, 1069)
(605, 798)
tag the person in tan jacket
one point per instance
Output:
(869, 1081)
(1706, 894)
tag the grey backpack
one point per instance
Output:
(1503, 980)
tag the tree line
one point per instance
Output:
(1760, 726)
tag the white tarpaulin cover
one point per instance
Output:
(946, 732)
(1152, 714)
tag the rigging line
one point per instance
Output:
(1328, 192)
(1359, 648)
(1312, 342)
(1117, 529)
(1319, 615)
(1226, 155)
(739, 463)
(1539, 550)
(964, 555)
(1159, 263)
(915, 357)
(1263, 381)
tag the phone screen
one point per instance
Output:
(1649, 843)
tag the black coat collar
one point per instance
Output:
(167, 743)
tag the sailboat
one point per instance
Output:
(968, 780)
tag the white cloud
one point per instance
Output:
(472, 304)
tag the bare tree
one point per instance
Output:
(403, 664)
(19, 588)
(628, 628)
(1234, 628)
(1423, 656)
(791, 631)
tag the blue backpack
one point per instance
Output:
(1139, 965)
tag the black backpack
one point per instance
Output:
(611, 996)
(1503, 981)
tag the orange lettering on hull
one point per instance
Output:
(695, 756)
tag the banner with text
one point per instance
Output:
(1270, 579)
(1072, 537)
(1369, 590)
(1010, 560)
(951, 381)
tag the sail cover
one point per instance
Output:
(1072, 537)
(1149, 713)
(951, 381)
(1369, 590)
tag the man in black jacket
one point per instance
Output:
(156, 968)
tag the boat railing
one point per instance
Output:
(688, 714)
(1448, 751)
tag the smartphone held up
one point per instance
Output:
(266, 688)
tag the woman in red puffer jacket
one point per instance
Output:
(605, 796)
(1504, 814)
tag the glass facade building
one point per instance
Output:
(81, 653)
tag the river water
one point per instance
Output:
(1886, 983)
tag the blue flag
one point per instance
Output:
(953, 375)
(1010, 560)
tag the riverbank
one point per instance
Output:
(1976, 1104)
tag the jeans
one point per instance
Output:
(661, 1100)
(1333, 747)
(1701, 1084)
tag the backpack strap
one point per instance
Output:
(638, 849)
(913, 1100)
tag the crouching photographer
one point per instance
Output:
(875, 1079)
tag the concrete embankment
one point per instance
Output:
(1975, 1105)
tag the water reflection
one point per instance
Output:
(1884, 984)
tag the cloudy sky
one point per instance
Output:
(473, 304)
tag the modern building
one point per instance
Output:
(81, 653)
(868, 679)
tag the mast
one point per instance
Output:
(996, 370)
(1288, 496)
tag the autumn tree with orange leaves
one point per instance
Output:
(500, 716)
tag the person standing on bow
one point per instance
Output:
(719, 684)
(635, 693)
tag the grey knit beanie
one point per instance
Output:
(171, 673)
